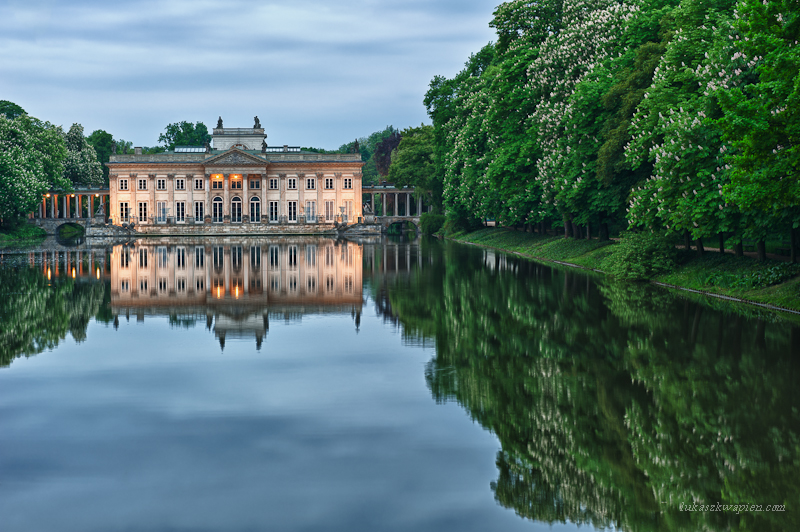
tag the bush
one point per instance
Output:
(640, 256)
(23, 231)
(758, 278)
(430, 223)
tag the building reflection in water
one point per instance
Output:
(237, 286)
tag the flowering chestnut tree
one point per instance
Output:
(32, 155)
(81, 165)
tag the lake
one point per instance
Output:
(307, 383)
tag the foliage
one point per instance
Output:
(413, 164)
(10, 109)
(81, 165)
(430, 223)
(383, 152)
(640, 256)
(22, 232)
(102, 142)
(32, 155)
(184, 134)
(367, 146)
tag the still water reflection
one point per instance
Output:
(288, 384)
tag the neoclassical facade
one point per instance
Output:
(239, 185)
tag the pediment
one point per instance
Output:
(235, 157)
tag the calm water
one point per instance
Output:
(313, 384)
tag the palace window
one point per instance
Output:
(198, 184)
(162, 257)
(255, 257)
(348, 182)
(162, 284)
(348, 209)
(255, 183)
(329, 183)
(311, 284)
(123, 184)
(180, 211)
(200, 285)
(143, 184)
(125, 286)
(124, 213)
(236, 209)
(311, 211)
(161, 184)
(199, 207)
(273, 211)
(216, 210)
(275, 282)
(311, 183)
(292, 211)
(329, 211)
(292, 259)
(180, 184)
(292, 183)
(161, 212)
(180, 258)
(236, 258)
(199, 257)
(274, 257)
(292, 282)
(142, 212)
(216, 183)
(180, 285)
(329, 283)
(311, 255)
(236, 183)
(125, 258)
(143, 285)
(255, 210)
(142, 257)
(273, 183)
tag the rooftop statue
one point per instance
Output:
(263, 146)
(257, 124)
(219, 123)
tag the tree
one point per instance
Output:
(383, 152)
(102, 142)
(184, 134)
(758, 85)
(32, 155)
(10, 109)
(81, 165)
(413, 164)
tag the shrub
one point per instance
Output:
(640, 256)
(430, 223)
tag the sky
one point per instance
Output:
(316, 73)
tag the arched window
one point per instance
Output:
(216, 210)
(255, 210)
(236, 210)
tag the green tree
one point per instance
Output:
(81, 165)
(32, 155)
(102, 143)
(758, 86)
(184, 134)
(10, 109)
(413, 164)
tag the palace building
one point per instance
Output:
(238, 184)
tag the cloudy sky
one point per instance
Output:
(317, 73)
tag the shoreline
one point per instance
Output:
(463, 239)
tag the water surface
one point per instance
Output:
(316, 384)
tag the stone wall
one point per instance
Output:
(235, 229)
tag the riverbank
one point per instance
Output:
(21, 235)
(771, 283)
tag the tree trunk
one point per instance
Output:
(762, 250)
(588, 231)
(687, 240)
(738, 249)
(721, 242)
(793, 244)
(700, 248)
(576, 231)
(567, 227)
(604, 231)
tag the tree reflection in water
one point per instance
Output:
(613, 403)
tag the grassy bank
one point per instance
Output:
(21, 234)
(771, 282)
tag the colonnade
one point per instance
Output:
(70, 205)
(396, 202)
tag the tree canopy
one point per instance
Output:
(184, 134)
(81, 165)
(10, 109)
(32, 157)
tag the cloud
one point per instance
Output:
(317, 73)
